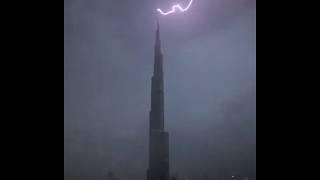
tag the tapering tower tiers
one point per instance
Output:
(158, 138)
(157, 94)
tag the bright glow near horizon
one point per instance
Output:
(174, 7)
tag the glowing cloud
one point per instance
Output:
(174, 7)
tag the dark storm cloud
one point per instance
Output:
(209, 61)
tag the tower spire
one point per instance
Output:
(158, 41)
(158, 55)
(158, 30)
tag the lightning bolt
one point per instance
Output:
(174, 7)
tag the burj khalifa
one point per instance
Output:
(158, 138)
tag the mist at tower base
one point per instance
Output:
(209, 69)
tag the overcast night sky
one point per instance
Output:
(210, 87)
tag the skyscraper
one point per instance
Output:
(158, 137)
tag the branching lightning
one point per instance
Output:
(174, 7)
